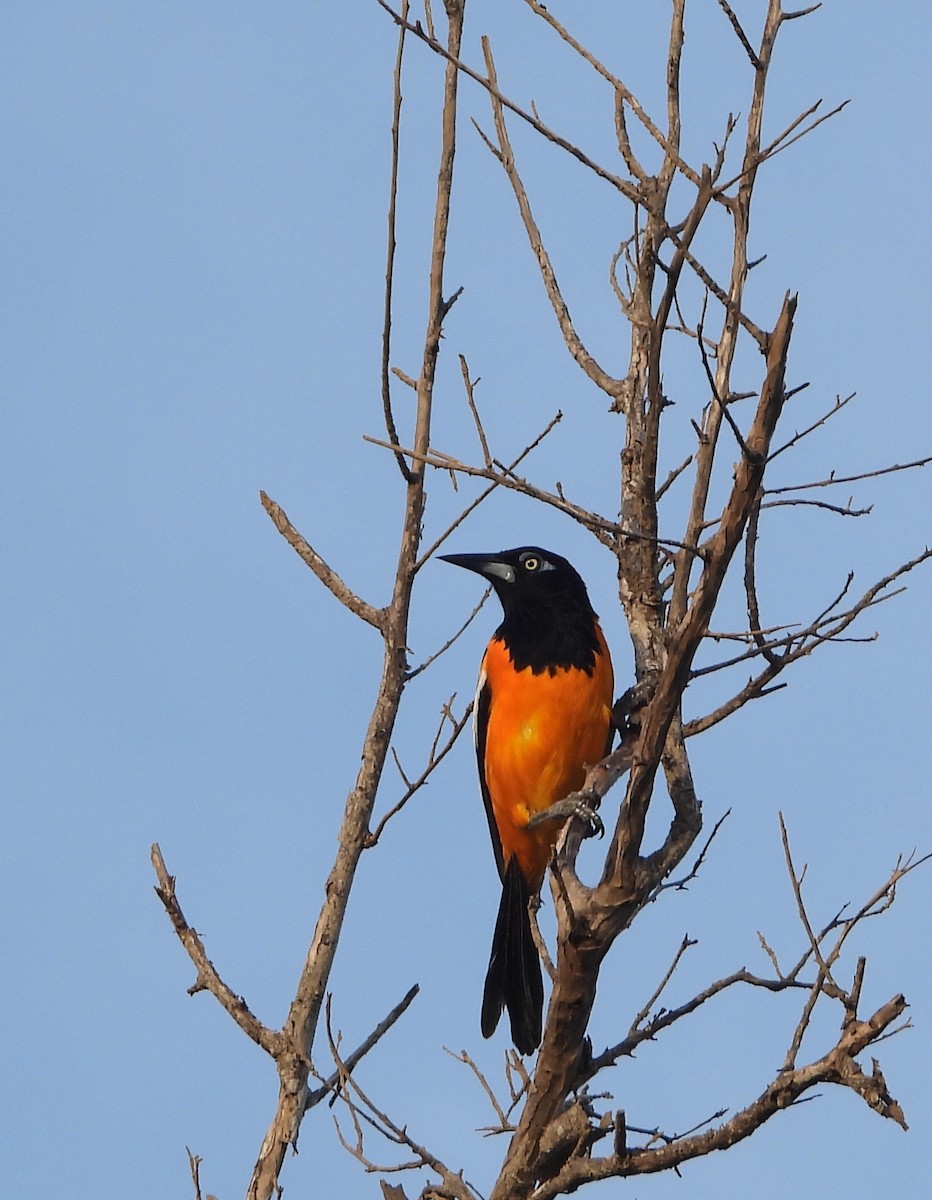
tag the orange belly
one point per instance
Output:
(543, 731)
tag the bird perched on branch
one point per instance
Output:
(543, 714)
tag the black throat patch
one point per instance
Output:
(550, 640)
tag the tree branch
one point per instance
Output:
(327, 576)
(208, 979)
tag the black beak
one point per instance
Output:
(491, 566)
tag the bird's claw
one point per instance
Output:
(592, 819)
(563, 810)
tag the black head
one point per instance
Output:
(549, 621)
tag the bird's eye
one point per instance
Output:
(530, 562)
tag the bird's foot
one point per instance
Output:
(573, 806)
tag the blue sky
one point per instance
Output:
(192, 253)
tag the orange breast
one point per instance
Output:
(543, 731)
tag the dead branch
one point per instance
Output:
(783, 141)
(827, 628)
(833, 480)
(623, 94)
(362, 1109)
(390, 248)
(621, 185)
(839, 404)
(554, 1142)
(837, 1066)
(503, 1125)
(350, 1063)
(504, 477)
(601, 527)
(208, 979)
(841, 510)
(498, 475)
(505, 155)
(194, 1164)
(325, 573)
(434, 759)
(470, 388)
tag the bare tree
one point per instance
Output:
(670, 581)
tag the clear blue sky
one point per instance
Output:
(192, 258)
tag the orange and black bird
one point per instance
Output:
(543, 713)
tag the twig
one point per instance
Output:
(800, 434)
(503, 1124)
(390, 251)
(271, 1041)
(644, 1013)
(621, 185)
(327, 576)
(828, 627)
(750, 585)
(469, 385)
(681, 884)
(506, 157)
(329, 1086)
(834, 479)
(719, 400)
(606, 531)
(674, 474)
(194, 1164)
(780, 142)
(665, 1018)
(390, 1130)
(826, 983)
(496, 481)
(741, 35)
(623, 93)
(841, 510)
(726, 300)
(415, 671)
(434, 761)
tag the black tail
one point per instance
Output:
(513, 980)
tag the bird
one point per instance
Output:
(543, 713)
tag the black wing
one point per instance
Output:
(481, 727)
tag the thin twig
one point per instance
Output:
(622, 185)
(194, 1164)
(496, 481)
(436, 758)
(347, 1089)
(606, 531)
(841, 510)
(623, 93)
(208, 979)
(503, 1124)
(506, 157)
(681, 884)
(390, 251)
(833, 479)
(469, 385)
(674, 474)
(325, 573)
(431, 658)
(329, 1086)
(839, 404)
(686, 944)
